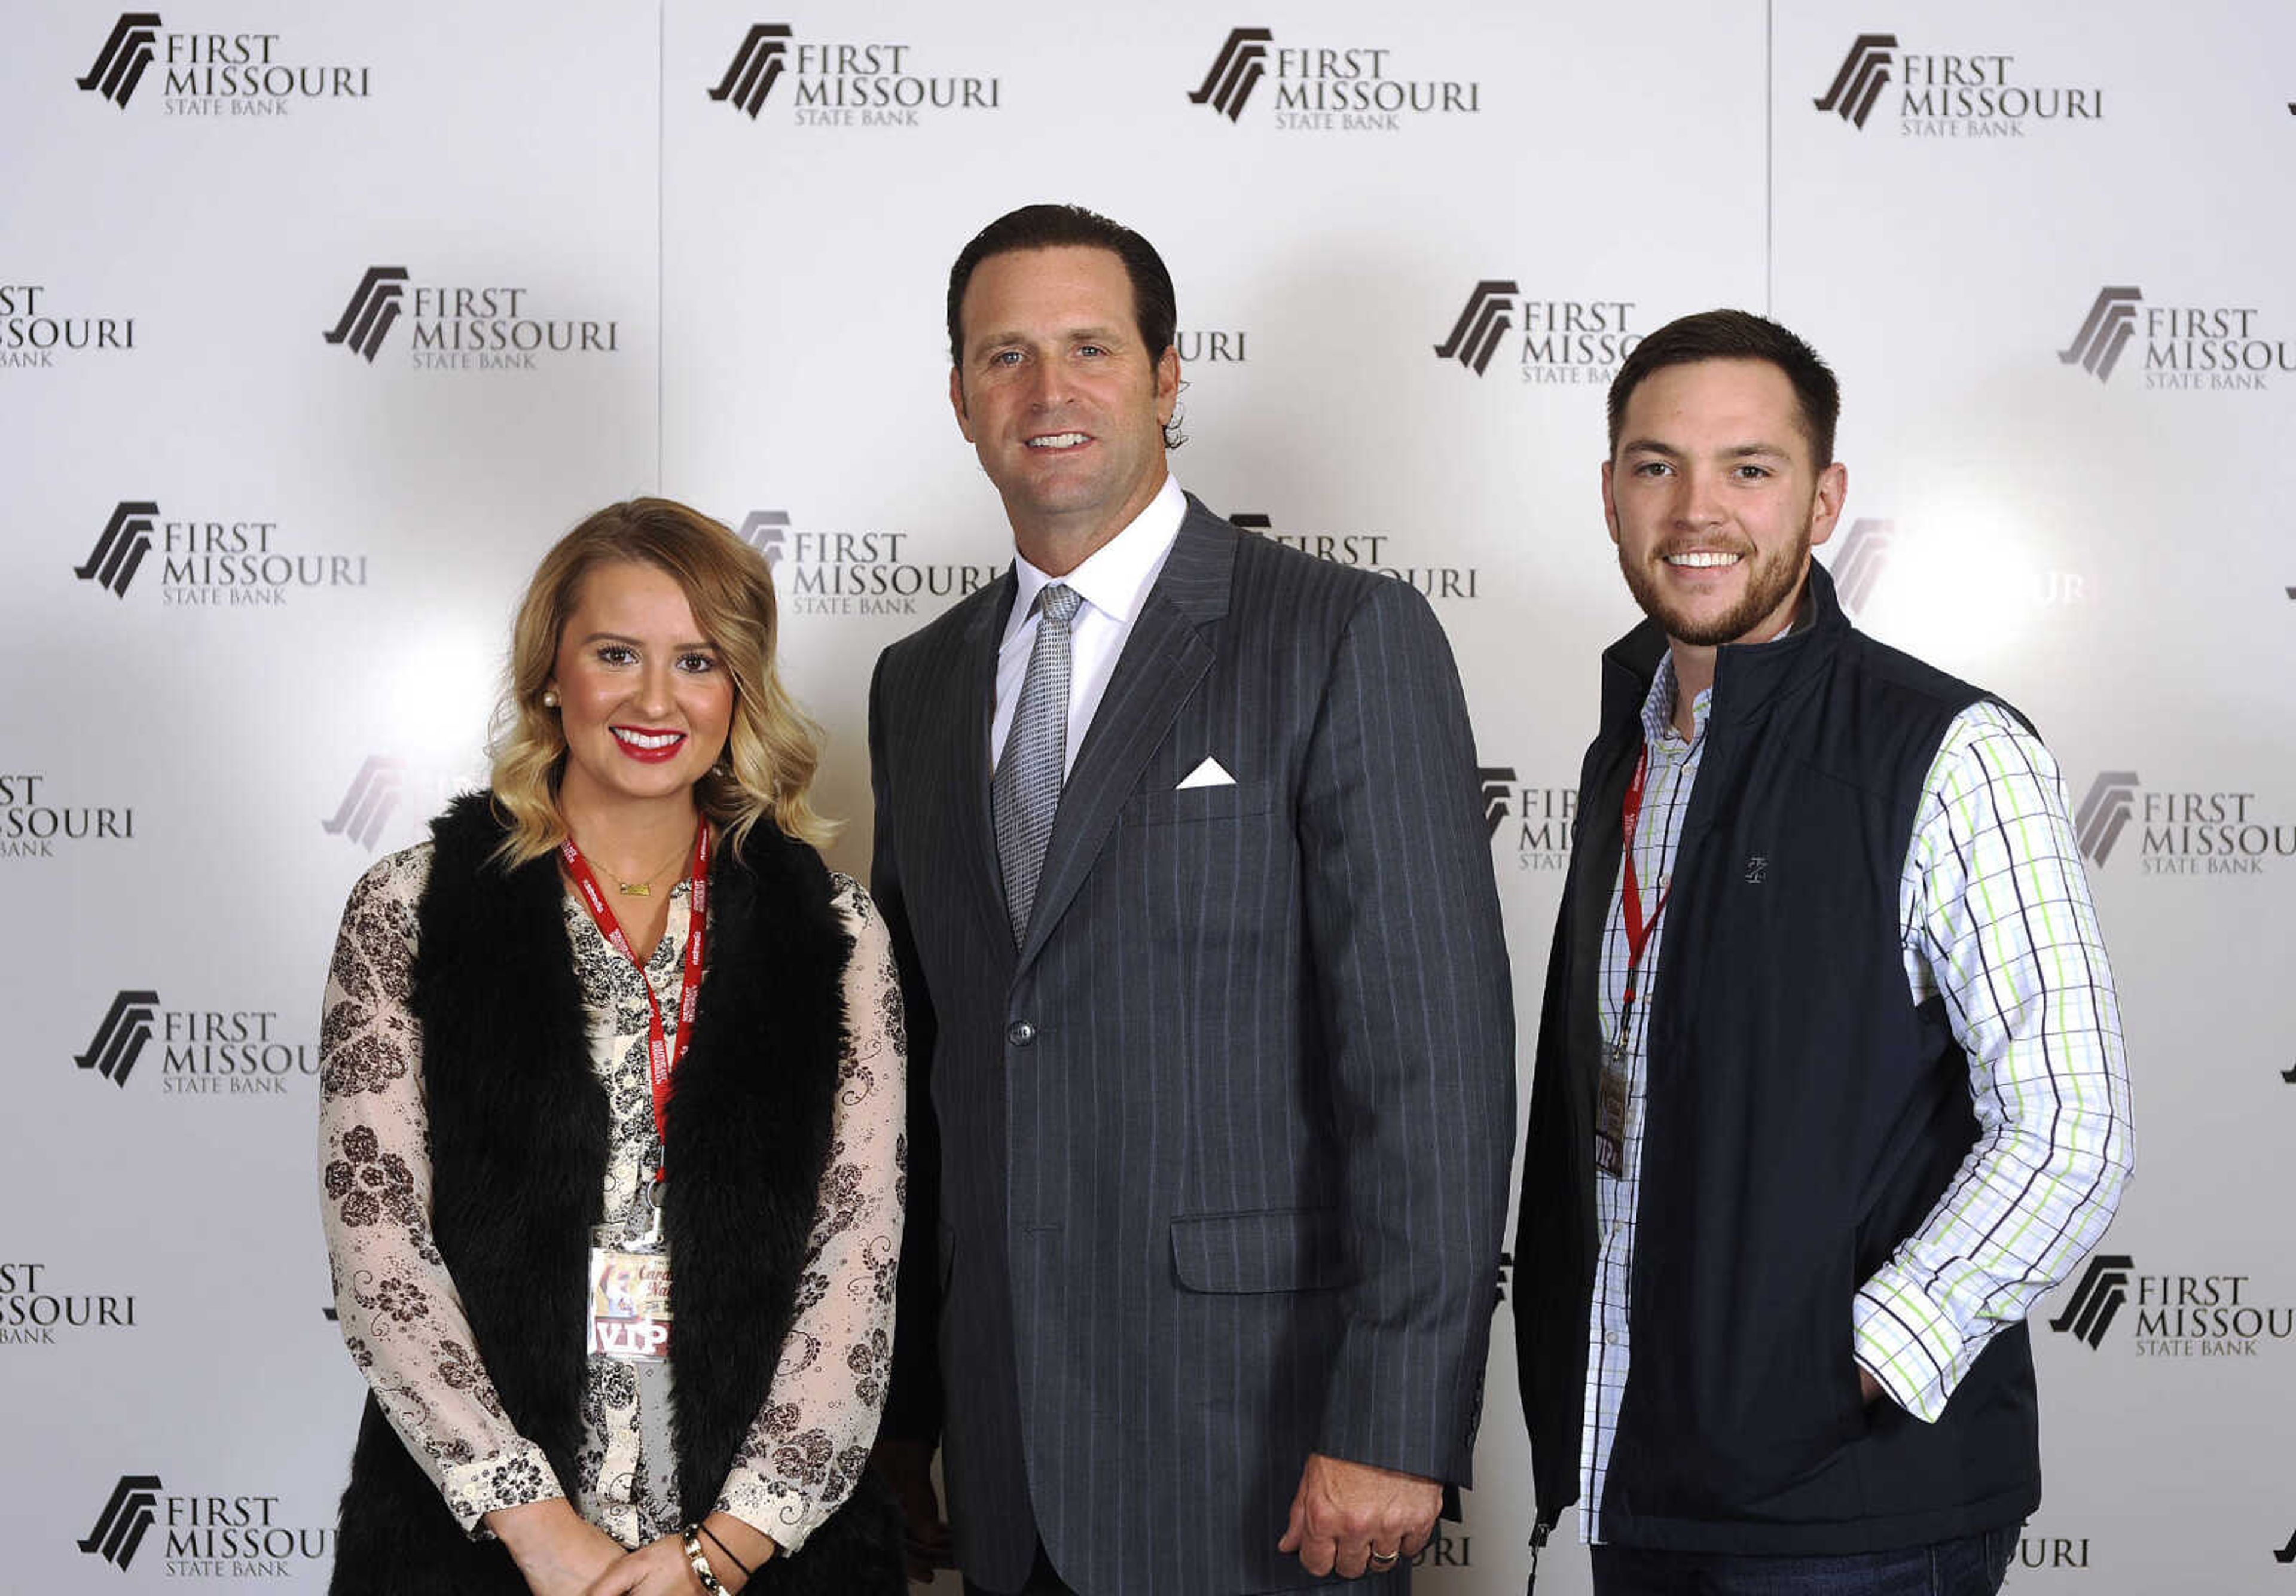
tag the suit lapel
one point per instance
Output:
(973, 707)
(1163, 659)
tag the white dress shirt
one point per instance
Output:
(1113, 583)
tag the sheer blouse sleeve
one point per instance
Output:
(400, 1315)
(807, 1447)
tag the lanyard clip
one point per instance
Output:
(655, 1194)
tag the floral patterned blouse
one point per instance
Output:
(403, 1320)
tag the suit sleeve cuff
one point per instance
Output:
(1409, 1438)
(1907, 1343)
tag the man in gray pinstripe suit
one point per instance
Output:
(1180, 842)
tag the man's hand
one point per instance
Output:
(1345, 1512)
(906, 1466)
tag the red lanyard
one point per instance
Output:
(661, 1064)
(1638, 930)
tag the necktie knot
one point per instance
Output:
(1058, 603)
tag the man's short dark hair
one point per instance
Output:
(1056, 227)
(1736, 335)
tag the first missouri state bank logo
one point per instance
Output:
(33, 333)
(849, 572)
(836, 84)
(120, 65)
(209, 73)
(2104, 333)
(1535, 824)
(127, 1516)
(1497, 785)
(1878, 560)
(372, 311)
(210, 562)
(203, 1051)
(1236, 71)
(2173, 1315)
(1327, 88)
(2180, 833)
(1476, 334)
(368, 802)
(121, 547)
(767, 532)
(1865, 73)
(2217, 347)
(2104, 813)
(1863, 559)
(480, 326)
(757, 66)
(365, 813)
(121, 1036)
(2097, 1300)
(207, 1534)
(1383, 554)
(1563, 340)
(1948, 94)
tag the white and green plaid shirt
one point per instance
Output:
(1995, 914)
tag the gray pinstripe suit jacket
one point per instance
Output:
(1211, 1172)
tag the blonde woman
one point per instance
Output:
(611, 1130)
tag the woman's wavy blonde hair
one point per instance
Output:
(773, 748)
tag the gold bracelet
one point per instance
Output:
(700, 1559)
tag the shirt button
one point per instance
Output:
(1020, 1033)
(1610, 1338)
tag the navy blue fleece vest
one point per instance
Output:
(1803, 1117)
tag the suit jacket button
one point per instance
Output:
(1020, 1033)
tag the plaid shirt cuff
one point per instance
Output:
(1906, 1342)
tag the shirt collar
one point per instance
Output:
(1658, 703)
(1116, 577)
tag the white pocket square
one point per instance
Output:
(1207, 775)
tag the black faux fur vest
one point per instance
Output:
(519, 1128)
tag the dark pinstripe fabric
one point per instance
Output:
(1239, 1195)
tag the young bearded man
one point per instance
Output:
(1829, 1088)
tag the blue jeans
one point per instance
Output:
(1973, 1566)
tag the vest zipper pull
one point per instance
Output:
(1538, 1539)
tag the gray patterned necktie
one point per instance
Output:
(1026, 790)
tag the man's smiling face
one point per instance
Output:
(1714, 499)
(1057, 391)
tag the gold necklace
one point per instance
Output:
(642, 887)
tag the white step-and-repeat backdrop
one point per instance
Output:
(319, 322)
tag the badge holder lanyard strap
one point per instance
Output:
(662, 1060)
(1638, 929)
(1612, 1109)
